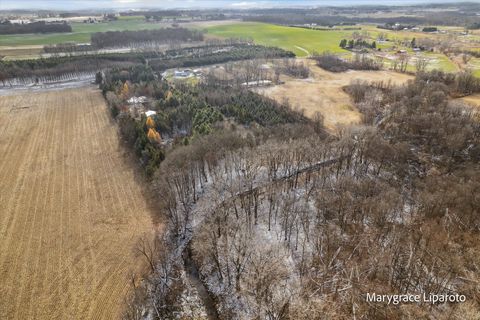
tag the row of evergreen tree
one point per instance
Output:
(359, 43)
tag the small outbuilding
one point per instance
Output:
(150, 113)
(182, 73)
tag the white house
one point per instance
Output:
(182, 73)
(150, 113)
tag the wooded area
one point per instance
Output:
(292, 222)
(34, 27)
(334, 63)
(184, 112)
(113, 39)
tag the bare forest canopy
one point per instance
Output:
(34, 27)
(112, 39)
(285, 219)
(333, 63)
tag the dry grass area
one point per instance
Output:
(473, 100)
(10, 53)
(323, 93)
(72, 208)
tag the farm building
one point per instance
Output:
(150, 113)
(182, 73)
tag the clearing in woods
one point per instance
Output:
(323, 92)
(72, 208)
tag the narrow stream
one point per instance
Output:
(194, 279)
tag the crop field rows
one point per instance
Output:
(72, 209)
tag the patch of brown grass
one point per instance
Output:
(473, 100)
(323, 92)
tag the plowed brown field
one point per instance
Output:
(71, 208)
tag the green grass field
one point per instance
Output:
(315, 40)
(474, 65)
(440, 61)
(287, 38)
(81, 32)
(298, 40)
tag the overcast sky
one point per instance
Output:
(168, 4)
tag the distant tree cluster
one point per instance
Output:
(182, 15)
(358, 43)
(474, 26)
(34, 27)
(215, 55)
(395, 26)
(158, 15)
(293, 68)
(124, 38)
(430, 29)
(333, 63)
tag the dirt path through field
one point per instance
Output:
(473, 100)
(303, 49)
(72, 208)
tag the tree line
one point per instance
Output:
(34, 27)
(333, 63)
(111, 39)
(358, 43)
(343, 16)
(210, 53)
